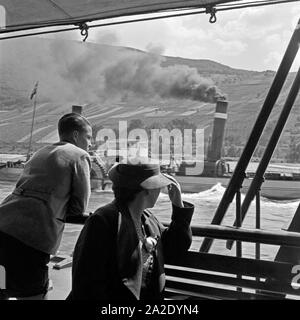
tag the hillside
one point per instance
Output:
(117, 83)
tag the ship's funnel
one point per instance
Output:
(77, 109)
(215, 149)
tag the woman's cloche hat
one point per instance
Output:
(138, 172)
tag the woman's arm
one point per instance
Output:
(177, 238)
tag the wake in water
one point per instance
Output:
(214, 193)
(217, 191)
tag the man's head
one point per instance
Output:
(76, 129)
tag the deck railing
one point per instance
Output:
(280, 237)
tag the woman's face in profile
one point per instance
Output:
(152, 197)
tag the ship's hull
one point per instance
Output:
(272, 189)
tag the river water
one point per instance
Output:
(275, 215)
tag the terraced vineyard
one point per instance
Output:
(116, 83)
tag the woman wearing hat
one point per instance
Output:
(122, 247)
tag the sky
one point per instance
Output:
(252, 39)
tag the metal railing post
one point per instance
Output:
(257, 226)
(257, 223)
(238, 219)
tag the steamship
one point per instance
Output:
(280, 182)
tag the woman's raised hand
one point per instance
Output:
(174, 191)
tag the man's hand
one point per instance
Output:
(174, 191)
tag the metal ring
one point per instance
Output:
(84, 30)
(212, 18)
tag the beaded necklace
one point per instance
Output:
(147, 255)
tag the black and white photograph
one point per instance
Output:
(149, 155)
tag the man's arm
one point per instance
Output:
(80, 187)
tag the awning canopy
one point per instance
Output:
(18, 15)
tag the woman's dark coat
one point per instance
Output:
(107, 261)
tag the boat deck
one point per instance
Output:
(61, 282)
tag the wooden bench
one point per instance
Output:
(196, 275)
(212, 276)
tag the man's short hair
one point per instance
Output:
(71, 122)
